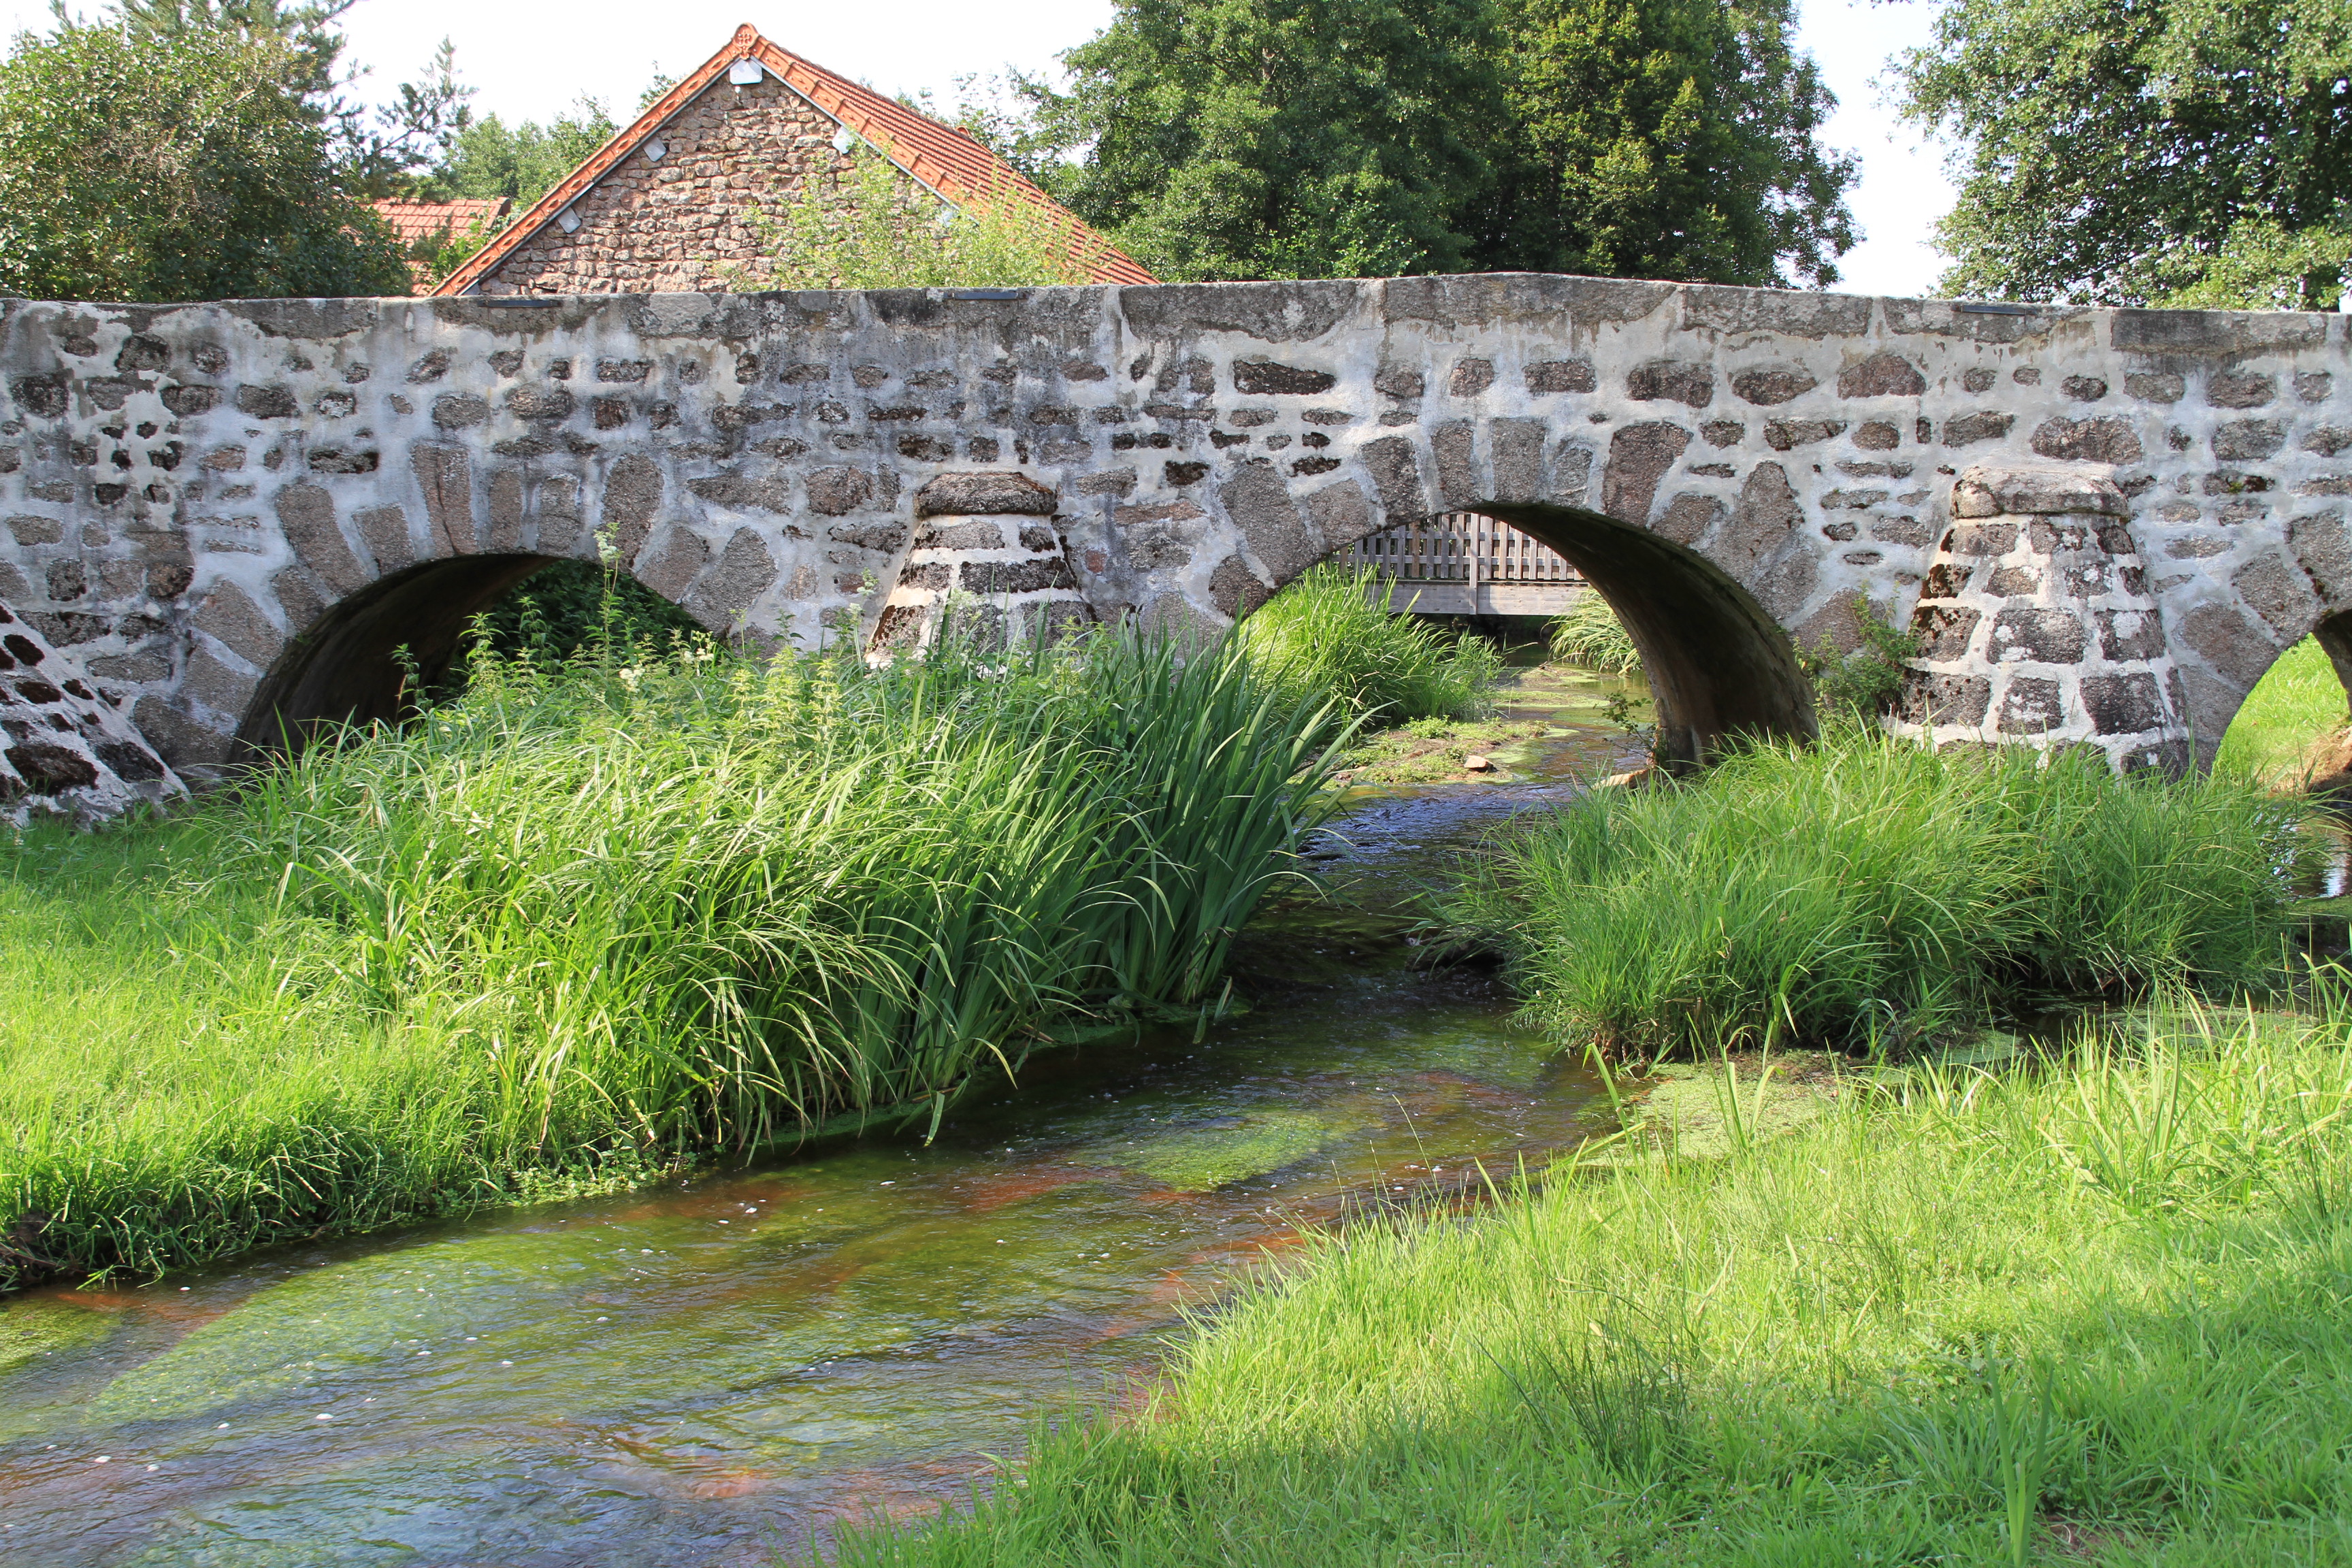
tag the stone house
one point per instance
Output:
(662, 206)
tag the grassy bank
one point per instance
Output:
(597, 917)
(1868, 893)
(2094, 1312)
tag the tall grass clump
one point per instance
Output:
(1588, 633)
(2090, 1313)
(604, 914)
(1331, 632)
(1868, 891)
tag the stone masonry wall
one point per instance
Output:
(680, 222)
(188, 492)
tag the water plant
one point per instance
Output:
(1871, 888)
(1331, 632)
(600, 915)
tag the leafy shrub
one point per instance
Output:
(1331, 633)
(1865, 681)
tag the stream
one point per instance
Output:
(718, 1369)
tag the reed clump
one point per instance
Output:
(1588, 633)
(2091, 1312)
(1330, 633)
(595, 916)
(1869, 892)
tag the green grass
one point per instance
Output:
(1330, 633)
(2100, 1311)
(2297, 703)
(598, 918)
(1867, 892)
(1590, 633)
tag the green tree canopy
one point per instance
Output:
(488, 158)
(1666, 139)
(1283, 138)
(182, 167)
(2129, 150)
(1317, 138)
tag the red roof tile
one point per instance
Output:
(413, 221)
(960, 169)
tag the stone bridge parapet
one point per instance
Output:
(2106, 523)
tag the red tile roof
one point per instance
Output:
(960, 169)
(413, 221)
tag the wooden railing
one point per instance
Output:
(1471, 566)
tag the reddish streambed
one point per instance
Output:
(714, 1371)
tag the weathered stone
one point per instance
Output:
(1687, 517)
(2045, 634)
(266, 403)
(1786, 435)
(833, 491)
(1257, 376)
(2101, 440)
(1766, 384)
(306, 513)
(1882, 376)
(1970, 428)
(2248, 440)
(738, 491)
(229, 614)
(2130, 635)
(1547, 377)
(2277, 591)
(1766, 519)
(2029, 706)
(668, 569)
(2083, 388)
(2229, 642)
(1235, 588)
(2123, 704)
(985, 495)
(1257, 501)
(1944, 631)
(1639, 456)
(2157, 386)
(1671, 380)
(2241, 389)
(633, 497)
(1470, 377)
(1396, 475)
(1450, 444)
(1945, 699)
(1340, 513)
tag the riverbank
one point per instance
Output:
(597, 920)
(2088, 1310)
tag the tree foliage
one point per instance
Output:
(188, 166)
(1317, 138)
(1667, 139)
(2130, 151)
(487, 158)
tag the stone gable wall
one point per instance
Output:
(679, 224)
(2138, 510)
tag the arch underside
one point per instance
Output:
(1719, 666)
(366, 658)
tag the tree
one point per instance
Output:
(2121, 152)
(186, 167)
(1665, 139)
(1281, 138)
(377, 151)
(488, 158)
(1316, 138)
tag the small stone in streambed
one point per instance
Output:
(1477, 765)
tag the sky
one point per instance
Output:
(529, 62)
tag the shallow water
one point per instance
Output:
(713, 1370)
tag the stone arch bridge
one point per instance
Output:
(221, 519)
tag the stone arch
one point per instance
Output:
(346, 666)
(1719, 663)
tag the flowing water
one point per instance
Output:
(712, 1371)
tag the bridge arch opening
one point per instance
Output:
(2291, 724)
(370, 657)
(1718, 663)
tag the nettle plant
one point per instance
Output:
(1862, 682)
